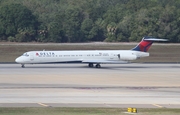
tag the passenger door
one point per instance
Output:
(31, 56)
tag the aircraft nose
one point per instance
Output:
(18, 60)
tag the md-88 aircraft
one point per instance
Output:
(90, 57)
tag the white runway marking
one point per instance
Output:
(157, 105)
(43, 105)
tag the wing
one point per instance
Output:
(104, 61)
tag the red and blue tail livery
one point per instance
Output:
(146, 43)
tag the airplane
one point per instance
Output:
(90, 57)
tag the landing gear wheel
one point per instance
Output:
(98, 66)
(91, 65)
(22, 65)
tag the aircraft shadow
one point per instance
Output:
(102, 67)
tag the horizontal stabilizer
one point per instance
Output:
(155, 39)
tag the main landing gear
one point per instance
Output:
(91, 65)
(97, 65)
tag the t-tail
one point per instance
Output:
(146, 43)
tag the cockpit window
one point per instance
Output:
(25, 54)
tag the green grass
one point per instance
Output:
(84, 111)
(158, 53)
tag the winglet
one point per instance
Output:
(146, 43)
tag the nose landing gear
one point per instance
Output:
(22, 65)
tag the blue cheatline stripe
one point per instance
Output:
(137, 48)
(60, 62)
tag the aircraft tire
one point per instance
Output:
(98, 66)
(91, 65)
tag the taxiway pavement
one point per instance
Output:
(76, 85)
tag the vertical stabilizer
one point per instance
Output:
(146, 43)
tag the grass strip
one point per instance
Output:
(84, 111)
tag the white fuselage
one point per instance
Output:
(86, 56)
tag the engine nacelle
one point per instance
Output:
(127, 57)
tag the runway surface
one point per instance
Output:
(76, 85)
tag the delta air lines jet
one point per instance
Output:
(90, 57)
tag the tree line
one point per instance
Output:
(88, 20)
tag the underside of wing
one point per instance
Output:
(104, 61)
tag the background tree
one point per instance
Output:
(88, 20)
(17, 20)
